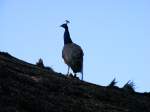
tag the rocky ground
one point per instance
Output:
(25, 87)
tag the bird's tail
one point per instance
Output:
(82, 75)
(82, 72)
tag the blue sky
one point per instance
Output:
(114, 34)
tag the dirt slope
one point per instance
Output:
(26, 87)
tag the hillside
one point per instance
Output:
(25, 87)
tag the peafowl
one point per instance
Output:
(72, 53)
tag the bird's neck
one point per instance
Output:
(67, 38)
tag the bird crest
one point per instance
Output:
(66, 21)
(65, 24)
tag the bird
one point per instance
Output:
(72, 53)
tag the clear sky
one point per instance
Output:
(114, 34)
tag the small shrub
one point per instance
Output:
(129, 86)
(40, 63)
(112, 83)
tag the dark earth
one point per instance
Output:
(26, 87)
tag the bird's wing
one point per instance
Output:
(72, 52)
(77, 51)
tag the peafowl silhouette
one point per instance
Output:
(72, 53)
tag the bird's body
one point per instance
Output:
(73, 57)
(72, 53)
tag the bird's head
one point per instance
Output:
(65, 26)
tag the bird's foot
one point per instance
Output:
(72, 76)
(69, 75)
(75, 76)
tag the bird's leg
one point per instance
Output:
(75, 75)
(82, 76)
(68, 71)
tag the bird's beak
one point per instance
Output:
(60, 26)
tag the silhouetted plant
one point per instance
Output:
(112, 83)
(40, 63)
(129, 86)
